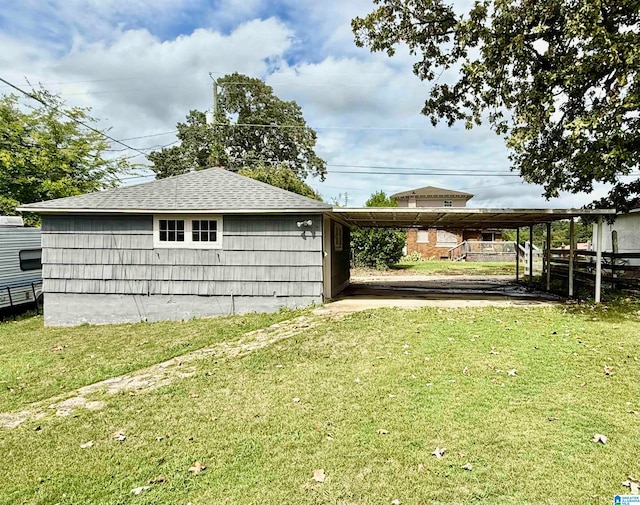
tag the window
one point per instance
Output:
(30, 259)
(187, 232)
(423, 237)
(204, 230)
(448, 203)
(446, 239)
(337, 237)
(171, 230)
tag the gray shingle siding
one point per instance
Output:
(262, 257)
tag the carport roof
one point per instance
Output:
(458, 217)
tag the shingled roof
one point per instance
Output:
(210, 190)
(432, 191)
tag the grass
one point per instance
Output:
(354, 376)
(456, 268)
(38, 362)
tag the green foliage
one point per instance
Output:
(559, 233)
(282, 136)
(45, 155)
(377, 247)
(558, 79)
(281, 177)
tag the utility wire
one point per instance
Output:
(49, 106)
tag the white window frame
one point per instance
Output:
(447, 203)
(338, 237)
(422, 234)
(188, 237)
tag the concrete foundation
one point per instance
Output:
(70, 309)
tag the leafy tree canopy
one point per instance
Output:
(378, 248)
(45, 155)
(281, 177)
(251, 126)
(557, 78)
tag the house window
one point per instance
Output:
(448, 203)
(337, 237)
(446, 239)
(204, 230)
(30, 259)
(188, 232)
(423, 237)
(171, 230)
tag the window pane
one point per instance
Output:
(30, 259)
(180, 225)
(172, 236)
(172, 224)
(204, 236)
(213, 225)
(163, 235)
(212, 236)
(195, 225)
(205, 225)
(195, 236)
(180, 236)
(163, 224)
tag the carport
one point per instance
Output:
(463, 218)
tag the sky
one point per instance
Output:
(141, 65)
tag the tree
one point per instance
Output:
(251, 126)
(557, 78)
(45, 154)
(378, 248)
(281, 177)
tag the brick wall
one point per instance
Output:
(429, 249)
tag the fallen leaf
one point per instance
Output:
(296, 400)
(357, 380)
(427, 358)
(405, 346)
(511, 373)
(197, 467)
(631, 412)
(57, 348)
(493, 351)
(465, 370)
(599, 438)
(635, 489)
(391, 396)
(554, 418)
(395, 502)
(438, 453)
(138, 490)
(319, 475)
(429, 384)
(420, 467)
(119, 436)
(160, 479)
(382, 432)
(159, 439)
(406, 353)
(451, 339)
(278, 366)
(86, 444)
(467, 466)
(193, 395)
(495, 380)
(608, 370)
(37, 428)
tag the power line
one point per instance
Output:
(76, 120)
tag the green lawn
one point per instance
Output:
(457, 267)
(38, 363)
(353, 377)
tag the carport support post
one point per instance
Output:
(572, 241)
(599, 261)
(517, 254)
(548, 256)
(530, 254)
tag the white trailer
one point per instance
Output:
(20, 263)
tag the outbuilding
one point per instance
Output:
(205, 243)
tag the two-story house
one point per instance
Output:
(435, 243)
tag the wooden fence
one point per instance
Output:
(619, 270)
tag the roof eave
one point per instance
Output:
(48, 210)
